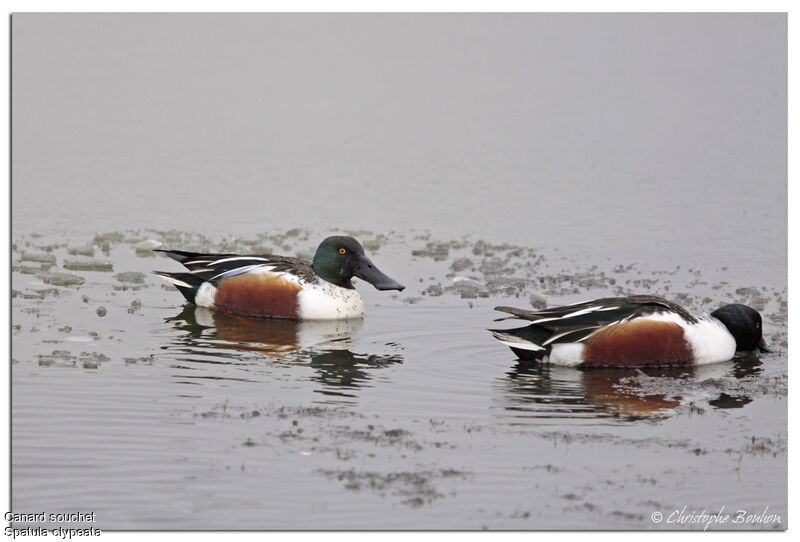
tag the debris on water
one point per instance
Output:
(460, 264)
(132, 277)
(61, 358)
(397, 438)
(752, 297)
(433, 290)
(35, 294)
(282, 412)
(766, 446)
(373, 245)
(467, 288)
(91, 265)
(61, 279)
(437, 251)
(64, 358)
(482, 248)
(37, 258)
(538, 301)
(105, 240)
(111, 237)
(145, 360)
(93, 360)
(87, 250)
(30, 270)
(101, 311)
(145, 248)
(415, 488)
(135, 306)
(507, 286)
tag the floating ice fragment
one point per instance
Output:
(61, 279)
(92, 265)
(78, 339)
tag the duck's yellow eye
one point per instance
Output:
(758, 325)
(342, 251)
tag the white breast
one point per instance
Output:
(326, 301)
(711, 341)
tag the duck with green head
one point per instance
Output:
(281, 286)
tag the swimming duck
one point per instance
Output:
(280, 286)
(634, 331)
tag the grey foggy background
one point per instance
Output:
(603, 133)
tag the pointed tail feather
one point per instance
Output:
(522, 348)
(519, 313)
(179, 255)
(514, 341)
(186, 283)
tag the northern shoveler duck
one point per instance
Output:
(279, 286)
(635, 331)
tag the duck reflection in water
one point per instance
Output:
(543, 391)
(325, 345)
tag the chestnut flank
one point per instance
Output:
(638, 343)
(258, 294)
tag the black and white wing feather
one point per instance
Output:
(575, 323)
(599, 312)
(215, 267)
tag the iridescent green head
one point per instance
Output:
(340, 258)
